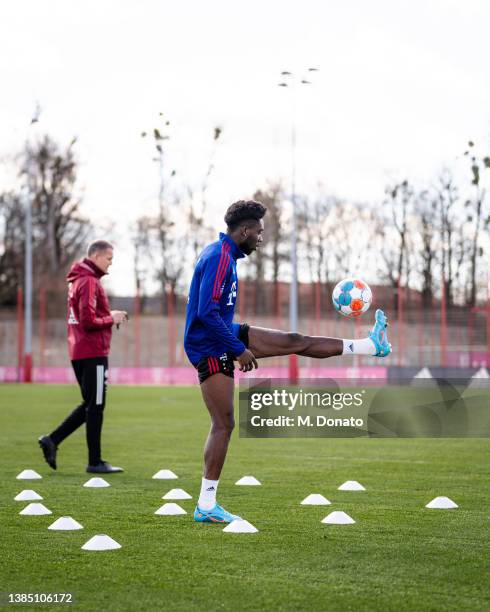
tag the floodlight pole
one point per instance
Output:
(293, 289)
(28, 288)
(27, 203)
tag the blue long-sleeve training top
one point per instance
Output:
(209, 328)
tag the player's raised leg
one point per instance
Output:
(265, 342)
(217, 392)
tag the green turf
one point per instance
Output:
(398, 556)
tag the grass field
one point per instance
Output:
(398, 555)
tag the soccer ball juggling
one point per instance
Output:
(352, 297)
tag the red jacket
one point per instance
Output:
(89, 317)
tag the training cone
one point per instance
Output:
(423, 373)
(425, 379)
(338, 518)
(441, 503)
(35, 510)
(101, 542)
(240, 526)
(177, 494)
(29, 475)
(249, 481)
(170, 510)
(351, 485)
(96, 483)
(315, 499)
(479, 379)
(27, 495)
(481, 373)
(164, 475)
(65, 523)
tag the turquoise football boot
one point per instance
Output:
(215, 515)
(379, 335)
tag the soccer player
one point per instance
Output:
(90, 323)
(212, 341)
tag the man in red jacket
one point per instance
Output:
(90, 322)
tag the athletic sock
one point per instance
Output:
(207, 497)
(364, 346)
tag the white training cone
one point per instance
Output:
(27, 495)
(338, 518)
(315, 499)
(351, 485)
(170, 510)
(96, 483)
(177, 494)
(165, 475)
(35, 510)
(65, 523)
(481, 373)
(29, 475)
(101, 542)
(442, 503)
(240, 526)
(423, 373)
(479, 379)
(250, 481)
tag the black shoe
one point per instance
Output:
(103, 468)
(49, 449)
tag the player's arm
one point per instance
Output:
(86, 307)
(214, 274)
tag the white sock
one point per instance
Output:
(207, 497)
(364, 346)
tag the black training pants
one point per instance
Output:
(92, 378)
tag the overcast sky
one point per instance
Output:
(402, 86)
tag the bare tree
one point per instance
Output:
(142, 241)
(446, 194)
(196, 215)
(393, 234)
(426, 221)
(11, 246)
(60, 231)
(160, 229)
(316, 232)
(272, 197)
(476, 216)
(347, 231)
(164, 240)
(462, 246)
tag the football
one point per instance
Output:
(351, 297)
